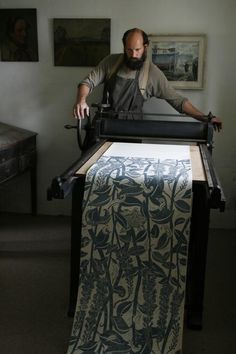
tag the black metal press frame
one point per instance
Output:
(207, 194)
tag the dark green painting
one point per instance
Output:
(80, 42)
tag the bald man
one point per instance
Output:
(130, 79)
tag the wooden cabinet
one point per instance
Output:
(18, 154)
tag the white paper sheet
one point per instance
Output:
(158, 151)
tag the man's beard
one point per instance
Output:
(134, 63)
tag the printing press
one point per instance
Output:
(206, 188)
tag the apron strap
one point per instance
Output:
(144, 77)
(115, 66)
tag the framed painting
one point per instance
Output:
(181, 58)
(80, 42)
(18, 35)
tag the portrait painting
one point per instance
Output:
(80, 42)
(18, 35)
(181, 58)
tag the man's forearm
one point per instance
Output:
(82, 94)
(192, 111)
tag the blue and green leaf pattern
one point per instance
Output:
(136, 225)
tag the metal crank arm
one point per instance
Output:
(79, 129)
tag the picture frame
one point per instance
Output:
(181, 57)
(81, 41)
(18, 35)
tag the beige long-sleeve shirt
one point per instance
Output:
(157, 84)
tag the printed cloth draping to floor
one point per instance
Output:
(136, 226)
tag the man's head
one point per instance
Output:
(135, 43)
(17, 28)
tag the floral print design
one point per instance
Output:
(136, 225)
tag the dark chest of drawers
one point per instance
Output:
(18, 154)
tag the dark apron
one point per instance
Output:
(122, 95)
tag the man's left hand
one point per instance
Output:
(217, 123)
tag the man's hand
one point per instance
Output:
(80, 110)
(217, 123)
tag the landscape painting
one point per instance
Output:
(80, 42)
(180, 57)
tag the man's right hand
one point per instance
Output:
(80, 110)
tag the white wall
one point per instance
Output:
(39, 96)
